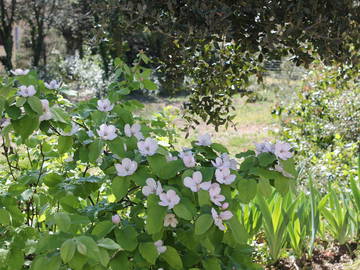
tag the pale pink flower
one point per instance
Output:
(204, 140)
(107, 132)
(148, 147)
(195, 182)
(27, 91)
(264, 147)
(52, 85)
(134, 130)
(104, 105)
(127, 167)
(188, 159)
(224, 206)
(282, 150)
(215, 196)
(170, 157)
(115, 219)
(90, 133)
(152, 187)
(169, 199)
(224, 161)
(47, 115)
(74, 129)
(160, 246)
(224, 176)
(170, 220)
(219, 218)
(5, 122)
(19, 72)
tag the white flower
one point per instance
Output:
(204, 140)
(169, 199)
(264, 147)
(52, 85)
(282, 171)
(19, 71)
(224, 176)
(160, 246)
(188, 159)
(219, 218)
(194, 182)
(47, 115)
(152, 187)
(170, 157)
(134, 130)
(115, 219)
(127, 167)
(282, 150)
(104, 105)
(170, 220)
(90, 133)
(74, 128)
(147, 147)
(224, 161)
(107, 132)
(224, 206)
(5, 122)
(215, 196)
(27, 91)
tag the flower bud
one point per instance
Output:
(115, 219)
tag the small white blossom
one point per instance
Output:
(107, 132)
(264, 147)
(224, 161)
(282, 150)
(19, 72)
(170, 220)
(134, 130)
(204, 140)
(115, 219)
(52, 85)
(152, 187)
(169, 199)
(127, 167)
(104, 105)
(74, 129)
(160, 246)
(47, 115)
(188, 159)
(219, 218)
(27, 91)
(148, 147)
(195, 182)
(224, 176)
(215, 196)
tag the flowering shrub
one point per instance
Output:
(91, 186)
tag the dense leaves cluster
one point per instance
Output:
(92, 186)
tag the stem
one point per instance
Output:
(41, 167)
(7, 159)
(28, 154)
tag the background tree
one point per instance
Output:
(8, 11)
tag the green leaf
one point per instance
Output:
(264, 187)
(15, 259)
(163, 168)
(5, 218)
(183, 212)
(238, 230)
(127, 238)
(53, 179)
(155, 215)
(203, 198)
(108, 244)
(149, 252)
(266, 159)
(247, 189)
(63, 221)
(64, 144)
(35, 104)
(92, 248)
(25, 126)
(59, 115)
(116, 146)
(120, 262)
(203, 223)
(102, 228)
(150, 85)
(67, 250)
(95, 150)
(219, 148)
(120, 187)
(172, 257)
(104, 257)
(211, 264)
(81, 248)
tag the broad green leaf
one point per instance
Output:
(67, 250)
(266, 159)
(117, 146)
(127, 238)
(64, 144)
(59, 115)
(120, 262)
(264, 187)
(5, 217)
(104, 257)
(163, 168)
(238, 230)
(211, 264)
(203, 223)
(91, 245)
(77, 262)
(120, 187)
(63, 221)
(183, 212)
(35, 104)
(149, 252)
(108, 243)
(150, 85)
(247, 189)
(95, 150)
(53, 179)
(81, 248)
(219, 148)
(102, 228)
(155, 215)
(203, 198)
(26, 125)
(172, 257)
(15, 259)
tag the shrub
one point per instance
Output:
(92, 186)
